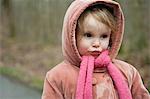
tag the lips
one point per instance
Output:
(95, 53)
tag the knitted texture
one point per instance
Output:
(84, 84)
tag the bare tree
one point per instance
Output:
(7, 19)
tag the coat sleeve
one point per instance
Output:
(51, 89)
(138, 89)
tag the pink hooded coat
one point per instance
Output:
(61, 81)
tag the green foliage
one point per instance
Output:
(10, 71)
(18, 74)
(37, 83)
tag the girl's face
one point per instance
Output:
(93, 38)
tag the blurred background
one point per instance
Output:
(30, 42)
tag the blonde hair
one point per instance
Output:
(101, 14)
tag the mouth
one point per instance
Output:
(95, 53)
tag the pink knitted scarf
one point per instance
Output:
(84, 84)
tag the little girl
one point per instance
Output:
(91, 37)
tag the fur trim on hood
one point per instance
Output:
(69, 47)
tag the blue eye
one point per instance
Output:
(87, 34)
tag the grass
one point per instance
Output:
(23, 77)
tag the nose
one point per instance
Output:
(96, 43)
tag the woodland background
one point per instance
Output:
(30, 38)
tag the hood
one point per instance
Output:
(70, 51)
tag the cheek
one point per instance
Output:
(105, 44)
(83, 45)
